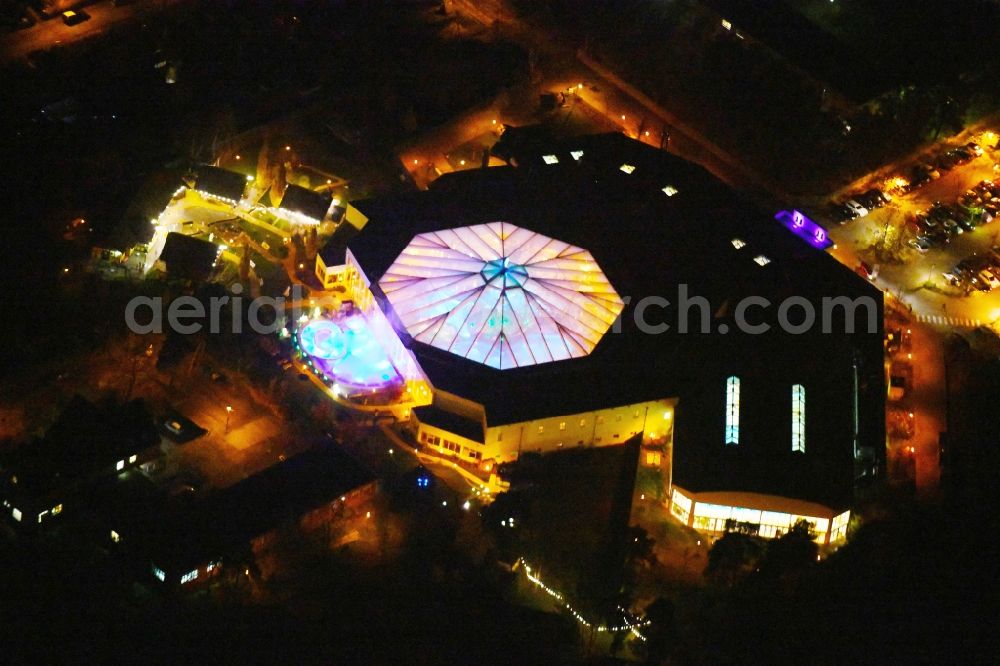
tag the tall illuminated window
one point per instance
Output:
(799, 418)
(733, 410)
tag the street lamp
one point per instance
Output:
(229, 410)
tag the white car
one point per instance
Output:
(855, 207)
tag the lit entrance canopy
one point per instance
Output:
(501, 295)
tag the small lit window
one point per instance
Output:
(577, 154)
(120, 466)
(738, 243)
(627, 168)
(57, 509)
(670, 190)
(550, 159)
(17, 514)
(761, 260)
(541, 429)
(583, 422)
(212, 566)
(132, 459)
(652, 458)
(635, 414)
(562, 425)
(727, 25)
(189, 576)
(159, 573)
(116, 537)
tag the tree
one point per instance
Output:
(790, 553)
(732, 557)
(640, 546)
(245, 264)
(660, 634)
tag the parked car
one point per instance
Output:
(938, 237)
(842, 214)
(968, 222)
(857, 208)
(980, 285)
(868, 271)
(973, 147)
(990, 212)
(963, 155)
(986, 189)
(929, 169)
(75, 17)
(970, 199)
(944, 162)
(920, 244)
(925, 221)
(879, 196)
(899, 380)
(989, 277)
(872, 199)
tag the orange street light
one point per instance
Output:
(229, 410)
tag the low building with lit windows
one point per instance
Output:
(39, 480)
(332, 270)
(187, 541)
(767, 516)
(595, 291)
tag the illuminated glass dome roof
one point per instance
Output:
(501, 295)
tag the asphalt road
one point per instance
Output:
(53, 32)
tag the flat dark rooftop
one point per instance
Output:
(186, 534)
(451, 422)
(188, 257)
(333, 252)
(305, 202)
(811, 48)
(220, 182)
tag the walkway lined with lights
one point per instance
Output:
(477, 484)
(555, 594)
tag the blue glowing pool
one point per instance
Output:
(346, 352)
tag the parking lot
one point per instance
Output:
(928, 234)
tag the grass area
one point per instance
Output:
(571, 514)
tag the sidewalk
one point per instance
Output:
(474, 481)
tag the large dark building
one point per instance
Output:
(599, 288)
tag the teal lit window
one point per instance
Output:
(733, 410)
(799, 418)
